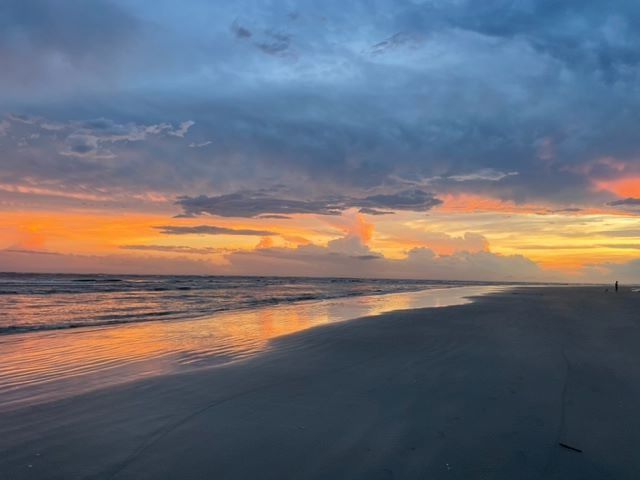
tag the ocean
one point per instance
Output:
(62, 335)
(31, 302)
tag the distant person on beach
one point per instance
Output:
(616, 285)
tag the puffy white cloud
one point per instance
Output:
(348, 256)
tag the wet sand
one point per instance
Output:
(484, 390)
(42, 366)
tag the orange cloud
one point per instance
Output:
(564, 241)
(31, 237)
(353, 224)
(265, 242)
(623, 187)
(440, 243)
(363, 229)
(467, 203)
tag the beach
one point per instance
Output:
(527, 383)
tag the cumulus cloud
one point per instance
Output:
(349, 257)
(210, 230)
(443, 243)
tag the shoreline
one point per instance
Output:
(41, 366)
(488, 389)
(81, 327)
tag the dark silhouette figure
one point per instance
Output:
(616, 285)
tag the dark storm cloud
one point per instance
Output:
(517, 100)
(210, 230)
(39, 36)
(259, 203)
(603, 39)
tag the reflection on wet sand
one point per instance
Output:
(48, 365)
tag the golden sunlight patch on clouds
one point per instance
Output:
(563, 241)
(102, 233)
(468, 203)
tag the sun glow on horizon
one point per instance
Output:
(564, 243)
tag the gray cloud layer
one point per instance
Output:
(626, 202)
(263, 203)
(210, 230)
(340, 98)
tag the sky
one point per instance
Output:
(445, 139)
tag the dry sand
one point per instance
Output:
(480, 391)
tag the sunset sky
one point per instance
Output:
(445, 139)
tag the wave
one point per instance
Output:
(30, 303)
